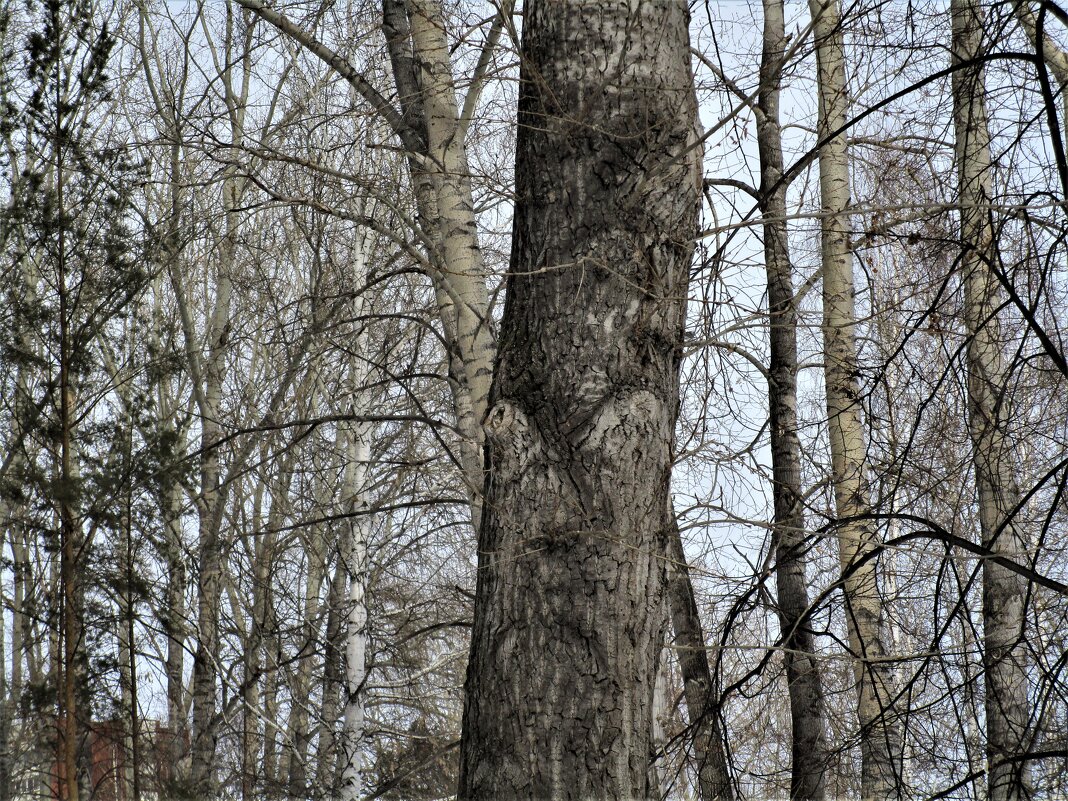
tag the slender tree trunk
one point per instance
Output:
(355, 496)
(857, 539)
(70, 626)
(252, 785)
(568, 610)
(699, 683)
(175, 625)
(1004, 592)
(211, 547)
(175, 616)
(19, 619)
(6, 710)
(70, 727)
(11, 690)
(660, 779)
(127, 659)
(808, 741)
(212, 554)
(272, 745)
(423, 74)
(262, 546)
(299, 734)
(327, 741)
(359, 452)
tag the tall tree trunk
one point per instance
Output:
(857, 539)
(71, 633)
(12, 513)
(989, 410)
(129, 778)
(808, 741)
(568, 610)
(262, 549)
(295, 770)
(174, 615)
(464, 276)
(699, 683)
(355, 554)
(211, 547)
(355, 496)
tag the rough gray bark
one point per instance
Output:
(880, 745)
(808, 740)
(568, 609)
(699, 684)
(989, 411)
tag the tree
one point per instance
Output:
(700, 686)
(857, 537)
(990, 410)
(803, 674)
(568, 603)
(277, 448)
(79, 269)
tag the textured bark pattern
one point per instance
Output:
(1004, 592)
(355, 554)
(808, 740)
(880, 745)
(568, 611)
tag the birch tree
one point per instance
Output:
(857, 539)
(990, 408)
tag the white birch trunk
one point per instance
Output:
(356, 501)
(989, 411)
(464, 300)
(857, 539)
(359, 454)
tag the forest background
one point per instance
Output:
(253, 275)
